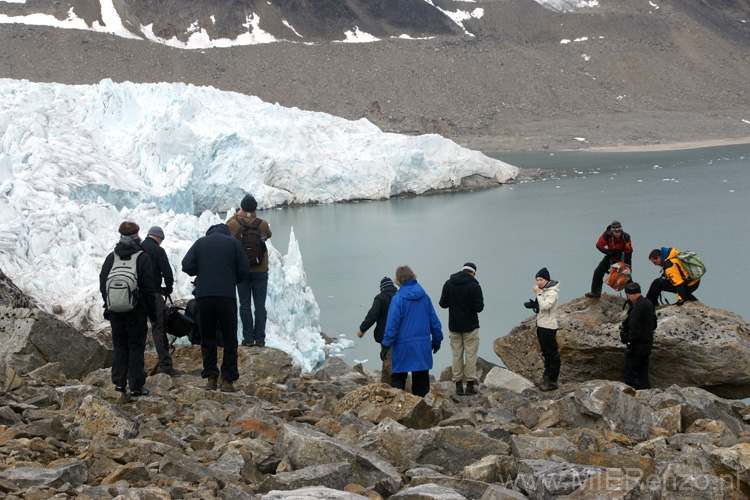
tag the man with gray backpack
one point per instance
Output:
(127, 287)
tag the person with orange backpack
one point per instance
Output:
(616, 246)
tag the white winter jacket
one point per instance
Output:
(546, 317)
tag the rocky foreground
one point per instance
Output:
(338, 434)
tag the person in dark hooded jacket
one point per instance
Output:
(129, 329)
(463, 298)
(219, 262)
(378, 315)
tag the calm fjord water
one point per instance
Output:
(690, 199)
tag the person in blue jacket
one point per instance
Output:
(414, 332)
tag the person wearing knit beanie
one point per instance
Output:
(378, 315)
(462, 296)
(546, 291)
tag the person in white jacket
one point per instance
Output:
(546, 292)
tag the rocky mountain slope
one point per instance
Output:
(520, 76)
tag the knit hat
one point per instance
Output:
(543, 273)
(615, 226)
(632, 288)
(386, 281)
(156, 231)
(248, 203)
(470, 266)
(129, 229)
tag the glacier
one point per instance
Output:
(75, 161)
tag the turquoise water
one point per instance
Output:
(690, 199)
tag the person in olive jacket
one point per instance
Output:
(463, 298)
(637, 331)
(378, 315)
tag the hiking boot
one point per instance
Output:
(212, 383)
(248, 343)
(139, 392)
(459, 389)
(470, 389)
(120, 389)
(548, 385)
(172, 372)
(593, 295)
(227, 386)
(260, 344)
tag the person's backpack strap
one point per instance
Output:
(243, 222)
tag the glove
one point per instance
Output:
(106, 314)
(623, 335)
(435, 348)
(384, 353)
(679, 302)
(166, 291)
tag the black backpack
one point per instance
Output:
(252, 240)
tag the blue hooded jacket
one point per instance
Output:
(412, 329)
(219, 262)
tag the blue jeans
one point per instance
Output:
(254, 286)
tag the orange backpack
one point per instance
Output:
(619, 275)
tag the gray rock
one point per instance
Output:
(175, 464)
(306, 448)
(467, 487)
(96, 417)
(74, 473)
(495, 492)
(502, 378)
(8, 416)
(542, 447)
(33, 338)
(333, 367)
(545, 480)
(716, 342)
(334, 475)
(453, 448)
(428, 492)
(312, 493)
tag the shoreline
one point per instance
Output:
(674, 146)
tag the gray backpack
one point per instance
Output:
(122, 284)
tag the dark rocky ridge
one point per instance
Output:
(674, 74)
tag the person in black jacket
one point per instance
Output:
(463, 298)
(637, 331)
(219, 262)
(161, 270)
(129, 329)
(378, 315)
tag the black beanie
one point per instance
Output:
(249, 204)
(543, 273)
(632, 288)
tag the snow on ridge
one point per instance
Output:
(567, 5)
(199, 37)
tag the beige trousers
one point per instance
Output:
(464, 347)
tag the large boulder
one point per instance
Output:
(31, 338)
(694, 345)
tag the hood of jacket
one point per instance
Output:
(666, 254)
(218, 229)
(552, 285)
(411, 290)
(126, 247)
(462, 278)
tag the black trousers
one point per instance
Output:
(635, 369)
(550, 352)
(663, 285)
(420, 382)
(129, 331)
(598, 280)
(159, 334)
(221, 310)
